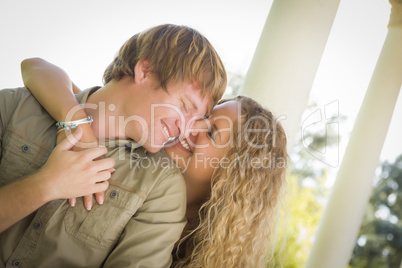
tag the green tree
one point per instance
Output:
(379, 242)
(300, 217)
(305, 198)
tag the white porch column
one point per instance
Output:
(343, 214)
(287, 56)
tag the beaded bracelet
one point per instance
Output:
(61, 126)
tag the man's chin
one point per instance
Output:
(153, 148)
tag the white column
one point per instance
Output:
(287, 56)
(344, 212)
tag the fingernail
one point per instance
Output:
(88, 205)
(100, 201)
(72, 202)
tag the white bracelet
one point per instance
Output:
(73, 124)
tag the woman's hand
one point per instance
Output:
(41, 78)
(69, 174)
(88, 140)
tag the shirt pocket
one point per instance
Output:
(20, 157)
(102, 226)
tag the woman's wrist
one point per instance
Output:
(75, 113)
(88, 139)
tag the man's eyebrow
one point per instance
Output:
(193, 104)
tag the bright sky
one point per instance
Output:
(83, 36)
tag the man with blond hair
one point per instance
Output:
(161, 81)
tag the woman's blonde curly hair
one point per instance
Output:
(237, 222)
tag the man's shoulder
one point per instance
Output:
(20, 100)
(14, 94)
(13, 99)
(15, 90)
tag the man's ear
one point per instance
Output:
(141, 71)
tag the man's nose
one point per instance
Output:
(199, 126)
(185, 126)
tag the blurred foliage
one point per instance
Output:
(298, 223)
(235, 81)
(379, 242)
(305, 200)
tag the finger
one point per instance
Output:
(104, 164)
(88, 202)
(72, 201)
(102, 176)
(111, 170)
(101, 186)
(100, 157)
(71, 140)
(79, 146)
(94, 153)
(100, 197)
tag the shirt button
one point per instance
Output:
(25, 148)
(16, 263)
(113, 194)
(37, 225)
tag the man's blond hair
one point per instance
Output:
(175, 54)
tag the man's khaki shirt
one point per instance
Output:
(141, 218)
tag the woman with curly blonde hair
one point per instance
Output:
(234, 165)
(236, 220)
